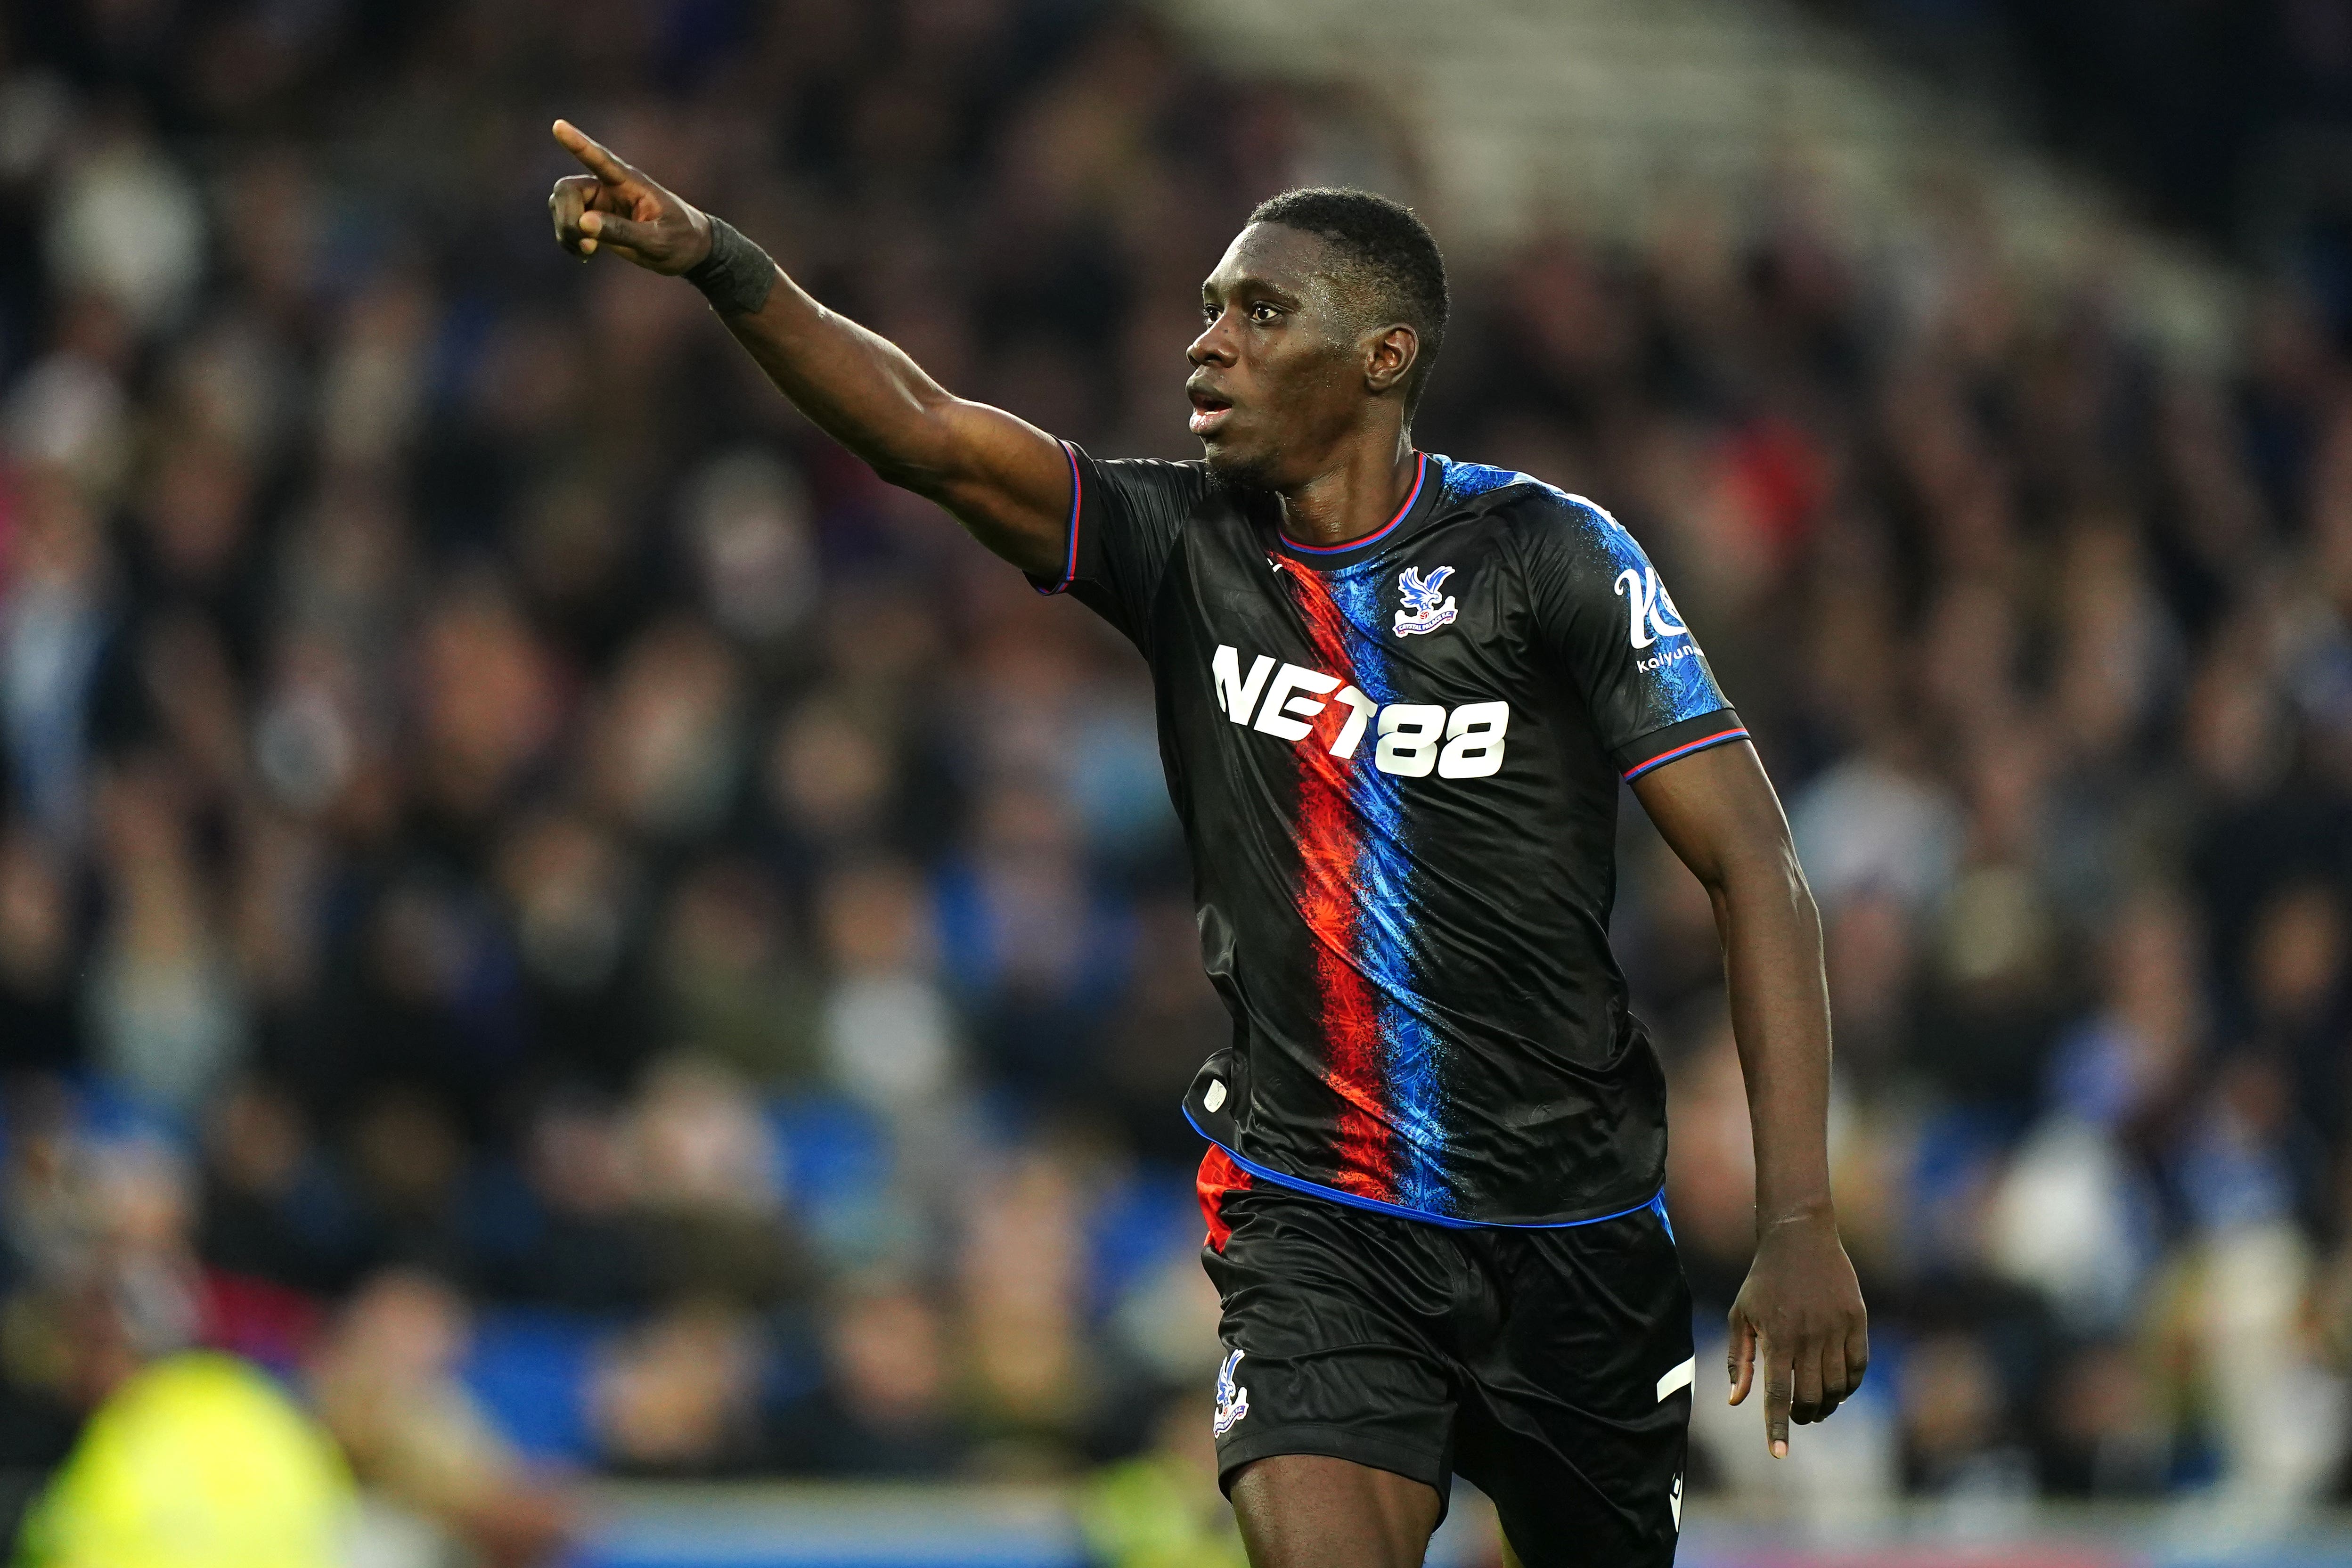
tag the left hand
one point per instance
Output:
(1800, 1314)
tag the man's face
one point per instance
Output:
(1278, 373)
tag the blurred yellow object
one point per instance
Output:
(1155, 1512)
(200, 1461)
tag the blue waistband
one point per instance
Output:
(1656, 1203)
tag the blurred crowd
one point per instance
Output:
(547, 910)
(2229, 117)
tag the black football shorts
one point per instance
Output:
(1552, 1368)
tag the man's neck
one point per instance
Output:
(1354, 497)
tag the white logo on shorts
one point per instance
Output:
(1233, 1402)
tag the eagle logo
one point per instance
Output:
(1233, 1401)
(1427, 605)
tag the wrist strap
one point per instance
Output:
(737, 274)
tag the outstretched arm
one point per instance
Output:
(1717, 810)
(1004, 478)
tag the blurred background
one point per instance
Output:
(581, 983)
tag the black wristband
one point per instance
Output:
(737, 274)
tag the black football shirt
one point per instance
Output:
(1396, 763)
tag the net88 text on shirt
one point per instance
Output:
(1411, 740)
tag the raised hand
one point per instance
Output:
(613, 207)
(1800, 1314)
(1007, 480)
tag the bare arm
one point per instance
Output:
(1004, 478)
(1717, 810)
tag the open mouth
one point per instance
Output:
(1209, 410)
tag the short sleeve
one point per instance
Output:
(1126, 517)
(1613, 630)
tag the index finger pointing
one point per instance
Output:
(1779, 1390)
(590, 152)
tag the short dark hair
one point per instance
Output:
(1389, 247)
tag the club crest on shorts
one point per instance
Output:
(1427, 605)
(1233, 1401)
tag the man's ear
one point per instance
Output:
(1389, 356)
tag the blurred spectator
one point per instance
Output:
(746, 517)
(408, 1158)
(38, 1020)
(732, 977)
(2078, 1214)
(384, 1384)
(161, 997)
(275, 1210)
(884, 1406)
(130, 227)
(889, 1031)
(1956, 1427)
(678, 1393)
(2107, 1437)
(1711, 1170)
(574, 892)
(665, 750)
(575, 1239)
(1029, 1377)
(703, 1164)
